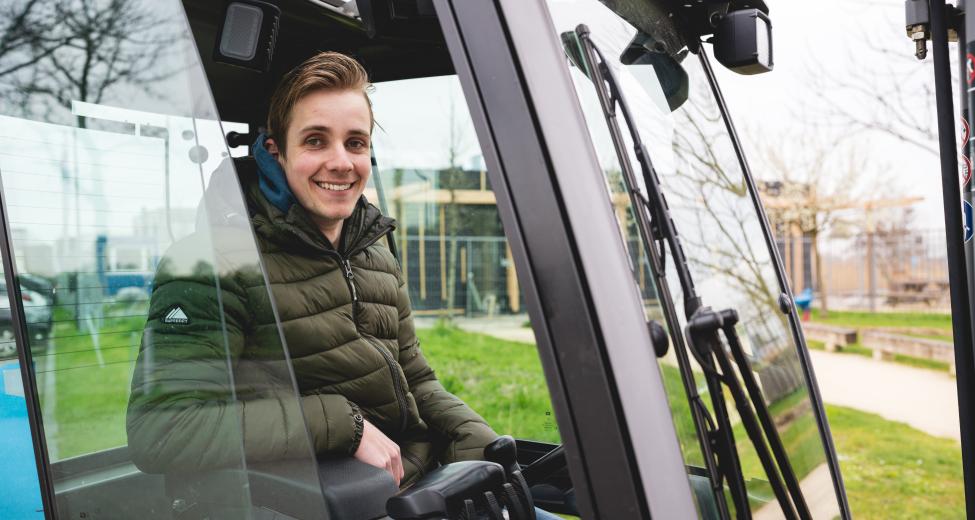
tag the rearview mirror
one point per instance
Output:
(573, 51)
(641, 51)
(743, 41)
(645, 50)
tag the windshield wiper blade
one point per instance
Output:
(703, 324)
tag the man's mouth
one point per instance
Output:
(334, 187)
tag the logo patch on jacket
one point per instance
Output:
(177, 316)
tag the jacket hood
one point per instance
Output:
(271, 178)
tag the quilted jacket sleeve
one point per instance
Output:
(186, 413)
(468, 432)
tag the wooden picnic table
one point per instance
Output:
(913, 291)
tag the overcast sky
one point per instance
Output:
(827, 38)
(813, 41)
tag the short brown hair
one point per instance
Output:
(323, 71)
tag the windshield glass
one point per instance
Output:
(728, 257)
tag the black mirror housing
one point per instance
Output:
(743, 42)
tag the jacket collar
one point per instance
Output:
(365, 226)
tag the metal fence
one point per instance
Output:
(470, 276)
(873, 271)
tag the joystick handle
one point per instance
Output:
(504, 452)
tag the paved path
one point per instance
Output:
(924, 399)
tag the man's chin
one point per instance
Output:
(334, 214)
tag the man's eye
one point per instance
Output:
(313, 141)
(358, 145)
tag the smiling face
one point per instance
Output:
(327, 160)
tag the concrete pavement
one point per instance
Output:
(925, 399)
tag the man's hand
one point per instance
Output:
(376, 449)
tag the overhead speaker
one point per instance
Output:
(248, 35)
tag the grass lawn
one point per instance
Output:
(502, 380)
(894, 471)
(885, 319)
(90, 396)
(890, 469)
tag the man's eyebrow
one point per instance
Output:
(326, 129)
(315, 128)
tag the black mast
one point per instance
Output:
(961, 316)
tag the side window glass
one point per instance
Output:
(136, 276)
(469, 308)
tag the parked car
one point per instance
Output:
(38, 310)
(8, 347)
(38, 284)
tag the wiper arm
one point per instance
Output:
(656, 227)
(707, 347)
(716, 441)
(729, 319)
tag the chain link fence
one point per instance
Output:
(871, 271)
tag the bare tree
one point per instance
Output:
(887, 92)
(897, 244)
(27, 33)
(713, 191)
(452, 179)
(53, 53)
(815, 185)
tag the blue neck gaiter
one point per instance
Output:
(271, 178)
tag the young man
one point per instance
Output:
(320, 123)
(365, 388)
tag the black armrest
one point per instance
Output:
(352, 489)
(441, 493)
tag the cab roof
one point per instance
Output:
(410, 49)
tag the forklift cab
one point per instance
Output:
(565, 172)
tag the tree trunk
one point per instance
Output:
(453, 229)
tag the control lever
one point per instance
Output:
(518, 497)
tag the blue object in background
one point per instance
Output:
(805, 299)
(20, 493)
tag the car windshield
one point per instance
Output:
(727, 253)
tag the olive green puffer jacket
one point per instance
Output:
(347, 322)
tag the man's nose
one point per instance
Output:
(339, 160)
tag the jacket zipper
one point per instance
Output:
(416, 462)
(350, 279)
(390, 362)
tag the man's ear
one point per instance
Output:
(272, 147)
